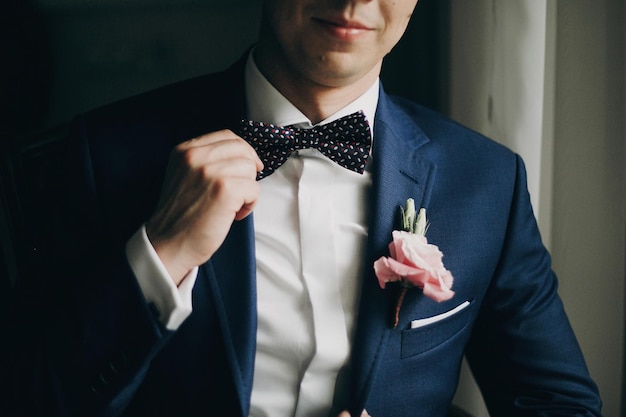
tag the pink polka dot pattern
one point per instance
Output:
(346, 141)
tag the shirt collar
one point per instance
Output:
(267, 104)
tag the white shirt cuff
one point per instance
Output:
(173, 303)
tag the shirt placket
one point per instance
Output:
(319, 272)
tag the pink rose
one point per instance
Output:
(414, 261)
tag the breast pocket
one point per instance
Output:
(430, 332)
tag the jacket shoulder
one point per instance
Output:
(444, 131)
(208, 96)
(448, 142)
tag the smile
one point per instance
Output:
(343, 29)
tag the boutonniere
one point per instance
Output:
(414, 262)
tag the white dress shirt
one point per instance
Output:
(310, 230)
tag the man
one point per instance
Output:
(233, 296)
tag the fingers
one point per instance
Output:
(233, 197)
(210, 182)
(347, 414)
(222, 156)
(222, 145)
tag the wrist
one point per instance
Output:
(172, 256)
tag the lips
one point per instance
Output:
(342, 28)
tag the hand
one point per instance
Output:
(346, 414)
(210, 182)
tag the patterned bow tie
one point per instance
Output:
(346, 141)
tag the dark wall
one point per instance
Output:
(417, 68)
(67, 56)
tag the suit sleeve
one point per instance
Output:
(81, 333)
(523, 351)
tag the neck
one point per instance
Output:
(317, 100)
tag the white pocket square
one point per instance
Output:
(430, 320)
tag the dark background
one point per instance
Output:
(62, 57)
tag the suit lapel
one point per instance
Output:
(399, 172)
(231, 277)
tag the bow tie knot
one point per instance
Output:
(346, 141)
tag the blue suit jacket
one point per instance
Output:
(99, 350)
